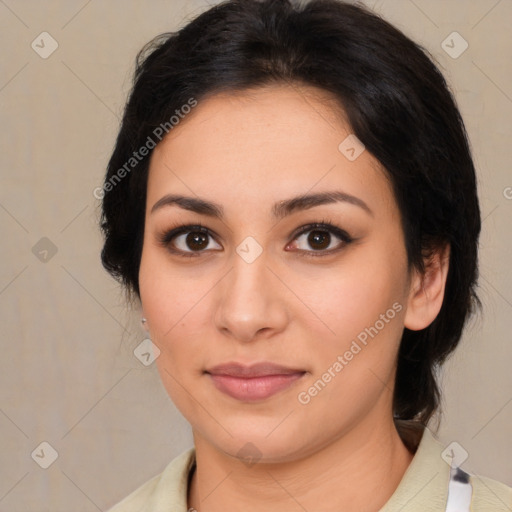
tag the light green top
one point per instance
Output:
(423, 488)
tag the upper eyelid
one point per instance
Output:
(326, 226)
(187, 228)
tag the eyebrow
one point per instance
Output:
(279, 210)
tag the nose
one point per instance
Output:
(251, 301)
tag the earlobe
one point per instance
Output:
(426, 291)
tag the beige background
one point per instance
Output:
(68, 374)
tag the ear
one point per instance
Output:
(426, 291)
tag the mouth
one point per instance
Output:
(255, 382)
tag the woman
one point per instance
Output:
(292, 199)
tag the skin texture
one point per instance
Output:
(247, 151)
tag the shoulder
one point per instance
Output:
(477, 493)
(490, 495)
(165, 491)
(434, 483)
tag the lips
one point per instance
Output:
(255, 382)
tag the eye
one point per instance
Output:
(188, 241)
(317, 239)
(321, 238)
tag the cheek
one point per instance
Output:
(353, 296)
(362, 303)
(356, 365)
(171, 298)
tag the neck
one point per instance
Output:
(358, 471)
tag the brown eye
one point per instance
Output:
(319, 239)
(189, 240)
(196, 240)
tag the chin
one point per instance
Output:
(259, 440)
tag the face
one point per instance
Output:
(278, 320)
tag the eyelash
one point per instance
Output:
(325, 225)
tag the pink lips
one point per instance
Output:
(255, 382)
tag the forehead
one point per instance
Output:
(263, 145)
